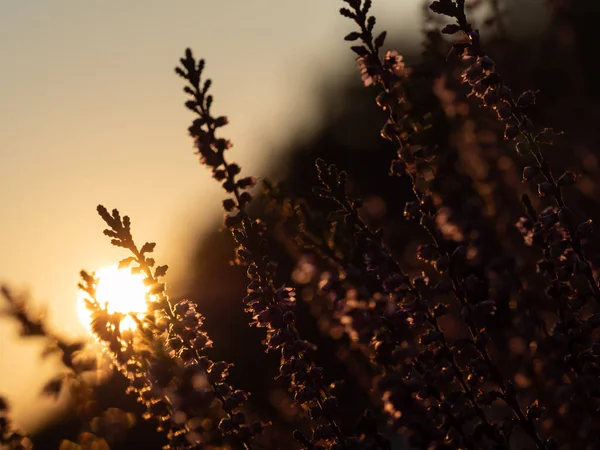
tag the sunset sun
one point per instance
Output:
(122, 291)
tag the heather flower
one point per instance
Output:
(393, 61)
(366, 70)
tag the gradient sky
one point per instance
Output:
(91, 112)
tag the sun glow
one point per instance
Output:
(121, 291)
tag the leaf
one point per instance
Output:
(534, 411)
(371, 23)
(148, 247)
(126, 222)
(352, 36)
(347, 13)
(451, 29)
(110, 233)
(379, 40)
(126, 262)
(116, 217)
(103, 212)
(359, 50)
(160, 271)
(445, 7)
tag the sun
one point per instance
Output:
(121, 290)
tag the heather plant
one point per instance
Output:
(271, 307)
(164, 361)
(465, 339)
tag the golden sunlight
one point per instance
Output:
(121, 291)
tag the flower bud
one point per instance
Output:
(219, 175)
(530, 172)
(504, 111)
(383, 100)
(226, 425)
(487, 63)
(534, 411)
(511, 132)
(427, 252)
(440, 310)
(398, 167)
(229, 204)
(491, 97)
(567, 179)
(585, 229)
(558, 249)
(246, 183)
(388, 131)
(411, 210)
(238, 418)
(549, 220)
(526, 99)
(472, 74)
(545, 189)
(547, 136)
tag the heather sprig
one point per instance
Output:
(164, 357)
(487, 84)
(384, 315)
(465, 284)
(271, 307)
(409, 308)
(555, 229)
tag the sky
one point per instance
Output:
(91, 112)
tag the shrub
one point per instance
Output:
(467, 337)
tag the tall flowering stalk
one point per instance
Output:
(271, 306)
(163, 358)
(405, 358)
(558, 230)
(446, 257)
(485, 83)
